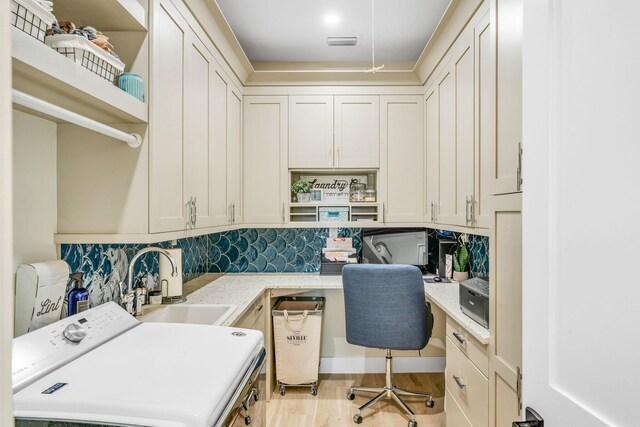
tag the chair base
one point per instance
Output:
(389, 391)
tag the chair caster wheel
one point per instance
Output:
(357, 419)
(247, 420)
(429, 403)
(351, 395)
(314, 391)
(413, 423)
(256, 397)
(283, 390)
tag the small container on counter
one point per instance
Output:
(155, 297)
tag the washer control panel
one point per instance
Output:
(43, 350)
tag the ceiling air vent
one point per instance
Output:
(342, 41)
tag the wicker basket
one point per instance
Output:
(88, 55)
(31, 18)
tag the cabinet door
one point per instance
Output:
(264, 159)
(506, 158)
(234, 155)
(167, 211)
(505, 309)
(446, 88)
(311, 132)
(457, 141)
(484, 121)
(204, 150)
(402, 160)
(432, 168)
(357, 131)
(465, 127)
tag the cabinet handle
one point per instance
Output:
(230, 214)
(189, 215)
(283, 212)
(338, 157)
(259, 309)
(233, 213)
(472, 210)
(466, 210)
(194, 218)
(433, 214)
(459, 337)
(436, 209)
(459, 381)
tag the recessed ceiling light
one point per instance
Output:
(331, 19)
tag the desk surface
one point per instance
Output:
(242, 289)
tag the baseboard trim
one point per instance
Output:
(376, 365)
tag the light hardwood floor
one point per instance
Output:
(330, 408)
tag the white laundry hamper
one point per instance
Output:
(297, 331)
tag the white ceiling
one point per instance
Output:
(295, 30)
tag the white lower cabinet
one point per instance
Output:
(402, 167)
(264, 159)
(505, 309)
(465, 381)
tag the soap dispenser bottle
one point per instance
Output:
(78, 296)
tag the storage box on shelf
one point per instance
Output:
(83, 52)
(31, 18)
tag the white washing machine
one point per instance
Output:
(103, 367)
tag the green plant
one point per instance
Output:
(460, 258)
(301, 187)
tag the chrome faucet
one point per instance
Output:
(127, 300)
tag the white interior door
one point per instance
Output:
(581, 204)
(6, 225)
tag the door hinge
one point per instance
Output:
(519, 389)
(519, 170)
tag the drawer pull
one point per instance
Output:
(459, 382)
(459, 337)
(259, 309)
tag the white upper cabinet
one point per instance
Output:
(234, 156)
(188, 150)
(506, 160)
(167, 210)
(401, 119)
(446, 86)
(264, 167)
(311, 132)
(334, 132)
(357, 131)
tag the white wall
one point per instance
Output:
(34, 199)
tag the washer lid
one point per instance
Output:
(157, 374)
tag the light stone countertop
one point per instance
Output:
(447, 297)
(242, 289)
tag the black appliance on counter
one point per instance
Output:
(474, 299)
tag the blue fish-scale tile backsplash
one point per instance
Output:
(255, 250)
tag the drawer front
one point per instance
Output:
(252, 314)
(471, 347)
(468, 386)
(455, 417)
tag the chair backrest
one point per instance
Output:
(385, 307)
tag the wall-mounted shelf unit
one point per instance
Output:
(105, 15)
(44, 73)
(356, 212)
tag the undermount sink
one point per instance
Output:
(200, 314)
